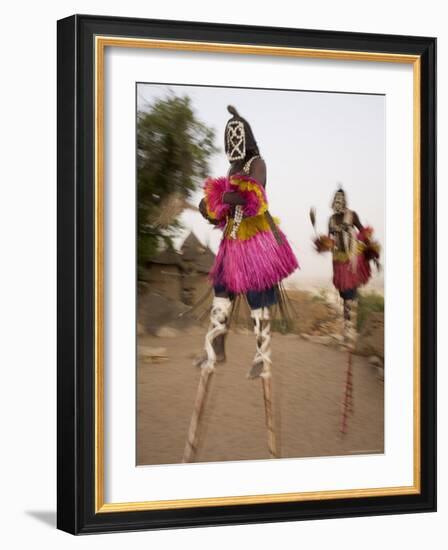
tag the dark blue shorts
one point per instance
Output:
(256, 299)
(349, 294)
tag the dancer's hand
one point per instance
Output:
(323, 243)
(203, 210)
(233, 198)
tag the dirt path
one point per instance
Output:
(308, 382)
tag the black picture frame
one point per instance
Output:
(76, 286)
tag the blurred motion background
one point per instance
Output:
(312, 142)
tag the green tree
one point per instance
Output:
(368, 303)
(173, 148)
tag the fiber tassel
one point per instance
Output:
(257, 263)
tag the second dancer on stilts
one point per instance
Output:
(353, 248)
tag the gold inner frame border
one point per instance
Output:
(101, 42)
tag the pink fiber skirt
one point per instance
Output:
(346, 276)
(257, 263)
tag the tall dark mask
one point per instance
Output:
(339, 203)
(238, 137)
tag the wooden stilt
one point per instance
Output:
(193, 431)
(218, 327)
(266, 381)
(261, 368)
(350, 337)
(347, 401)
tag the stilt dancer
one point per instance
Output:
(352, 248)
(253, 258)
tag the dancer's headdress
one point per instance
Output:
(339, 197)
(238, 137)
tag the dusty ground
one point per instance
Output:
(308, 383)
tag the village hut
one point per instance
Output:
(197, 261)
(164, 274)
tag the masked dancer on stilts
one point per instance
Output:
(254, 257)
(353, 249)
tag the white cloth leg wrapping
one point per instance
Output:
(218, 325)
(262, 331)
(350, 324)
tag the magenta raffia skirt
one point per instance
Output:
(347, 276)
(254, 264)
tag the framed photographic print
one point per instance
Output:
(246, 274)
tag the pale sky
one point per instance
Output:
(311, 142)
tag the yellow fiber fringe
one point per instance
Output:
(251, 226)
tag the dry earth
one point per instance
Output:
(308, 381)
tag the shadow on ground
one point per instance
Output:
(48, 517)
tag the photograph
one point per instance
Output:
(220, 304)
(260, 273)
(246, 255)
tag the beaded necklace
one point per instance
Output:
(238, 216)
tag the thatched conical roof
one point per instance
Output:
(167, 257)
(196, 254)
